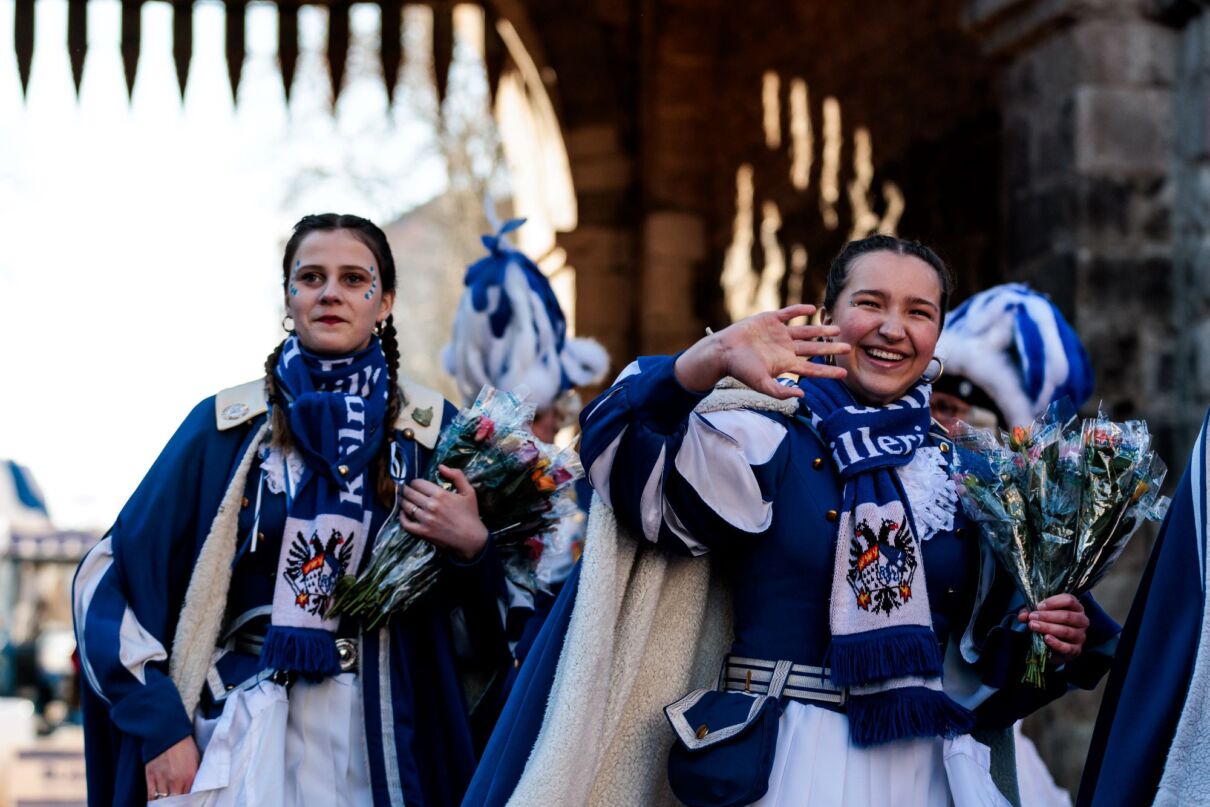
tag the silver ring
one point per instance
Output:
(160, 795)
(412, 514)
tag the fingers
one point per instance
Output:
(1067, 650)
(791, 311)
(412, 524)
(805, 332)
(426, 487)
(461, 484)
(773, 389)
(808, 348)
(815, 370)
(1061, 602)
(1065, 632)
(1076, 619)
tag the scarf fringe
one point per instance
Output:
(311, 652)
(873, 656)
(899, 714)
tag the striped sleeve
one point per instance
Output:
(685, 480)
(127, 591)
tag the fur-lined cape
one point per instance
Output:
(647, 627)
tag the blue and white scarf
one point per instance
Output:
(883, 646)
(336, 410)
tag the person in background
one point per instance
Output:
(1009, 353)
(510, 333)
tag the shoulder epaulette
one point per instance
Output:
(236, 405)
(421, 416)
(422, 413)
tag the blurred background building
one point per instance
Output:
(686, 162)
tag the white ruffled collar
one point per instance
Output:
(274, 463)
(930, 492)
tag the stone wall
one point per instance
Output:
(1061, 142)
(1103, 106)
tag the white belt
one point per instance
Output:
(805, 683)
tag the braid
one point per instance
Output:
(279, 427)
(390, 349)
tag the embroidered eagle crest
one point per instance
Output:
(881, 565)
(313, 569)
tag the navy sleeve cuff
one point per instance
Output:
(658, 399)
(154, 714)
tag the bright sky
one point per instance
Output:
(140, 243)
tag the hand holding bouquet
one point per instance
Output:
(1058, 500)
(523, 489)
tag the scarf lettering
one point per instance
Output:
(847, 451)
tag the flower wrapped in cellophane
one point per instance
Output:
(523, 487)
(1058, 500)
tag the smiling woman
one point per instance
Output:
(852, 573)
(213, 665)
(887, 296)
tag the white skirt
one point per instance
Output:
(268, 749)
(815, 764)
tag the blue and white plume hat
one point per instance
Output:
(510, 332)
(1015, 345)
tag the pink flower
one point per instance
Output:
(485, 430)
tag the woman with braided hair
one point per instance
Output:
(216, 672)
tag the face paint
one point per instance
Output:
(293, 291)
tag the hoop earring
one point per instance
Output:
(287, 328)
(940, 371)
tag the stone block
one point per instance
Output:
(1039, 223)
(1200, 343)
(1126, 51)
(592, 140)
(1123, 132)
(605, 172)
(673, 235)
(608, 249)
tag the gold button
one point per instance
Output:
(817, 463)
(260, 536)
(702, 731)
(949, 590)
(230, 687)
(343, 470)
(408, 434)
(244, 503)
(945, 447)
(833, 515)
(516, 663)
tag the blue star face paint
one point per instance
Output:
(293, 291)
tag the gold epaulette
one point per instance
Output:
(236, 405)
(419, 420)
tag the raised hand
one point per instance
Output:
(757, 349)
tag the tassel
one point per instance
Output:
(907, 712)
(310, 652)
(877, 655)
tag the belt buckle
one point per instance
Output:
(347, 650)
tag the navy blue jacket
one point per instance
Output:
(759, 490)
(1145, 696)
(128, 596)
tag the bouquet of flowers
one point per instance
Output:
(1058, 500)
(523, 487)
